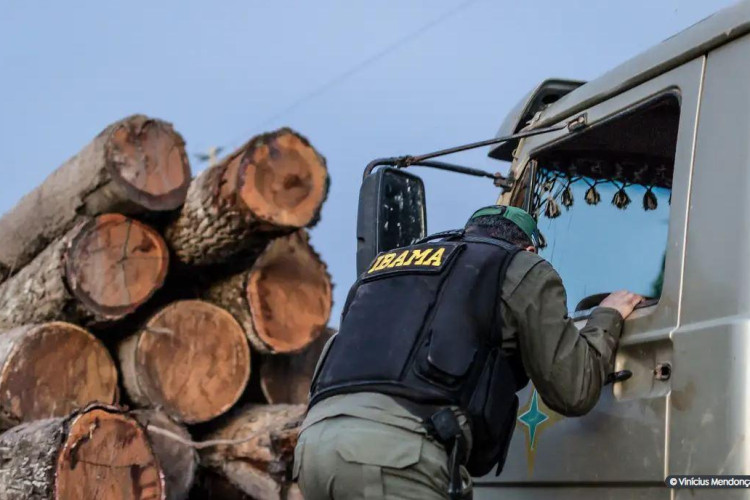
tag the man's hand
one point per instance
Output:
(622, 301)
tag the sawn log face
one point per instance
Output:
(97, 454)
(50, 370)
(135, 165)
(283, 301)
(191, 359)
(272, 185)
(100, 271)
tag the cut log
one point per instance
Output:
(50, 370)
(100, 271)
(98, 454)
(134, 165)
(178, 460)
(210, 485)
(262, 466)
(283, 301)
(274, 184)
(191, 359)
(286, 378)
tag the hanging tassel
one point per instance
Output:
(621, 199)
(552, 210)
(592, 196)
(649, 200)
(541, 240)
(548, 185)
(567, 197)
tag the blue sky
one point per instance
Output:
(361, 79)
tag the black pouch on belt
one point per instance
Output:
(443, 426)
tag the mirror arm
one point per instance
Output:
(500, 181)
(572, 126)
(377, 163)
(456, 168)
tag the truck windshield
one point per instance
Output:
(598, 245)
(602, 202)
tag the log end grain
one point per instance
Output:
(51, 370)
(106, 455)
(270, 186)
(192, 359)
(283, 180)
(115, 264)
(147, 158)
(289, 293)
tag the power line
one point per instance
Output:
(336, 80)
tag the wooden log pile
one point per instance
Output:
(158, 333)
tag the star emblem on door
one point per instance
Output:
(534, 418)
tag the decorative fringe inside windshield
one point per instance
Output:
(553, 184)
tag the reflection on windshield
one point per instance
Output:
(604, 239)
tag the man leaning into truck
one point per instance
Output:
(417, 391)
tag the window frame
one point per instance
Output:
(685, 82)
(649, 305)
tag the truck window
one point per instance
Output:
(602, 201)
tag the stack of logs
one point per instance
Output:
(158, 333)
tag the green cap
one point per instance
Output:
(518, 216)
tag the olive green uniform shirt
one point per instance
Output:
(568, 367)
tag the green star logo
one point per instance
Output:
(533, 418)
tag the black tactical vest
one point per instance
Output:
(423, 323)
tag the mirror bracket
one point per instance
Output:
(506, 183)
(425, 160)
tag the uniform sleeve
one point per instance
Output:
(568, 366)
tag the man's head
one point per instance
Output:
(505, 223)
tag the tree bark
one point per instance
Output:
(178, 460)
(191, 359)
(50, 370)
(135, 165)
(98, 453)
(283, 301)
(100, 271)
(287, 378)
(210, 485)
(274, 184)
(262, 466)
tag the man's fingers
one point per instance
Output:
(632, 298)
(623, 301)
(628, 296)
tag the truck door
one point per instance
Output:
(612, 205)
(708, 430)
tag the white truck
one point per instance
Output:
(659, 149)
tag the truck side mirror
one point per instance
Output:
(391, 213)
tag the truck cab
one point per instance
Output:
(652, 194)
